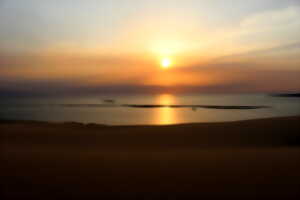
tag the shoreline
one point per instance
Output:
(16, 121)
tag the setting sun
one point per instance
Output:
(166, 62)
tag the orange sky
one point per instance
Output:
(255, 48)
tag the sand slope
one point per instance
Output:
(255, 159)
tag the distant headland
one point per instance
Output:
(286, 95)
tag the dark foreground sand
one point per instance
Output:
(256, 159)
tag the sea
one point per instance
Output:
(160, 109)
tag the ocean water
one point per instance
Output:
(92, 109)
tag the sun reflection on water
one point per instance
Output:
(165, 115)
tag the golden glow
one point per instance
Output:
(165, 115)
(166, 62)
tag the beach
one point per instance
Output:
(251, 159)
(149, 100)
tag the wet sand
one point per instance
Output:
(254, 159)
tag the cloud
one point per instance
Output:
(277, 57)
(273, 27)
(267, 35)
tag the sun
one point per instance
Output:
(166, 63)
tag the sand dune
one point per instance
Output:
(254, 159)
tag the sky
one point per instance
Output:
(217, 46)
